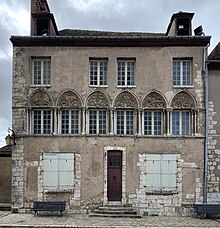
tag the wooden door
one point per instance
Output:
(114, 182)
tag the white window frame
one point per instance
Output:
(42, 76)
(181, 123)
(152, 122)
(181, 73)
(62, 171)
(42, 121)
(126, 61)
(70, 121)
(125, 121)
(160, 175)
(97, 121)
(99, 61)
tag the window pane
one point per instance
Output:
(65, 122)
(130, 73)
(147, 123)
(74, 122)
(176, 72)
(37, 72)
(37, 121)
(129, 122)
(120, 122)
(185, 123)
(93, 72)
(157, 123)
(103, 72)
(102, 122)
(175, 123)
(186, 72)
(121, 73)
(46, 72)
(46, 121)
(92, 122)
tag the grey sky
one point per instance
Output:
(111, 15)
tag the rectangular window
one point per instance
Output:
(161, 172)
(41, 71)
(69, 121)
(58, 171)
(126, 72)
(180, 123)
(98, 72)
(125, 122)
(97, 122)
(152, 123)
(42, 121)
(182, 72)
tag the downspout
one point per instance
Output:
(205, 64)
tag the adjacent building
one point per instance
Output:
(106, 118)
(213, 153)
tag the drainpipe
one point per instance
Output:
(205, 64)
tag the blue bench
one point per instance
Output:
(206, 209)
(48, 206)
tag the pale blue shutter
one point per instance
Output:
(50, 174)
(66, 171)
(168, 172)
(153, 181)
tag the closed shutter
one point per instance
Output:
(168, 172)
(51, 167)
(160, 172)
(66, 171)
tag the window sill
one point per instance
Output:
(98, 86)
(161, 192)
(126, 86)
(41, 86)
(183, 87)
(59, 191)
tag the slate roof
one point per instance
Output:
(78, 32)
(5, 150)
(215, 54)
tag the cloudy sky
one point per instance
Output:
(111, 15)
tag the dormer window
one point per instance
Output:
(42, 27)
(183, 27)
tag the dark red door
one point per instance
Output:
(114, 176)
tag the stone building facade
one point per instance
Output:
(213, 158)
(107, 118)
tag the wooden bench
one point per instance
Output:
(206, 209)
(49, 206)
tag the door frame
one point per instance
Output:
(123, 150)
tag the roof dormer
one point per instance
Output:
(42, 21)
(180, 24)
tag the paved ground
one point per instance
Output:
(82, 220)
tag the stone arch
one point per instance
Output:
(126, 100)
(183, 100)
(41, 98)
(98, 99)
(69, 99)
(154, 100)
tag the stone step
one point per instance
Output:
(115, 215)
(110, 211)
(116, 209)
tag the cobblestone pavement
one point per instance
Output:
(82, 220)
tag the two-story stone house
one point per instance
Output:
(107, 118)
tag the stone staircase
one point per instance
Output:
(115, 212)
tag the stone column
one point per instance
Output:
(111, 116)
(140, 122)
(168, 121)
(83, 121)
